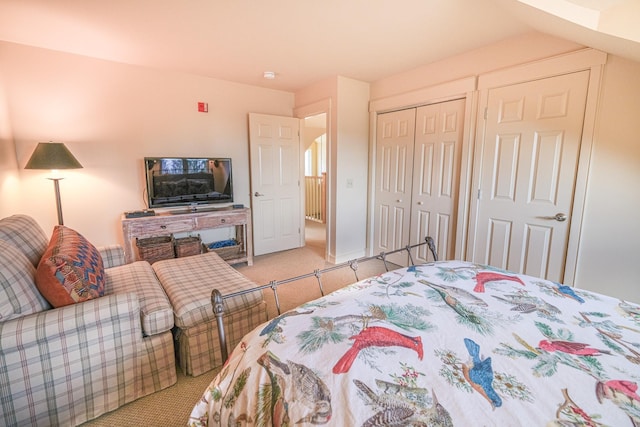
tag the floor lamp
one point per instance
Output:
(53, 156)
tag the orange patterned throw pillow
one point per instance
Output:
(71, 269)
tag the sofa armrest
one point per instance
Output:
(76, 350)
(112, 255)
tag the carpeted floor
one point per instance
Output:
(301, 261)
(172, 406)
(167, 408)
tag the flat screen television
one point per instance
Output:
(188, 181)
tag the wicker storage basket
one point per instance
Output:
(187, 246)
(228, 252)
(154, 249)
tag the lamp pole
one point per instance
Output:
(56, 186)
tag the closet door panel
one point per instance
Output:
(527, 174)
(394, 166)
(438, 142)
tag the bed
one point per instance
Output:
(447, 343)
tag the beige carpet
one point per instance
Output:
(301, 261)
(172, 406)
(169, 407)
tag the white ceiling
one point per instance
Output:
(302, 41)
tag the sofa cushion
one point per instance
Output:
(71, 269)
(155, 310)
(24, 233)
(188, 283)
(18, 293)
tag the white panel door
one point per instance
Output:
(436, 169)
(394, 163)
(527, 174)
(275, 182)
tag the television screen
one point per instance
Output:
(188, 181)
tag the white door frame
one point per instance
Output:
(320, 107)
(585, 59)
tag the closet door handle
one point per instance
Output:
(399, 201)
(560, 217)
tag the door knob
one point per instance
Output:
(560, 217)
(258, 194)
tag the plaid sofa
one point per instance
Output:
(67, 365)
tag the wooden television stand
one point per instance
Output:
(186, 220)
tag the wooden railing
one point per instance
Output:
(315, 198)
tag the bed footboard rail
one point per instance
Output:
(217, 299)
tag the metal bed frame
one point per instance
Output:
(217, 299)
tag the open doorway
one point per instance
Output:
(315, 180)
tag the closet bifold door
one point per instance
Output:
(436, 173)
(393, 182)
(418, 154)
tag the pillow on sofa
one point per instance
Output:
(71, 269)
(18, 293)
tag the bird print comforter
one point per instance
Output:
(441, 344)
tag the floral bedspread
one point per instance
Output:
(449, 343)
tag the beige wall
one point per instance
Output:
(609, 257)
(110, 116)
(346, 103)
(516, 50)
(8, 164)
(351, 172)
